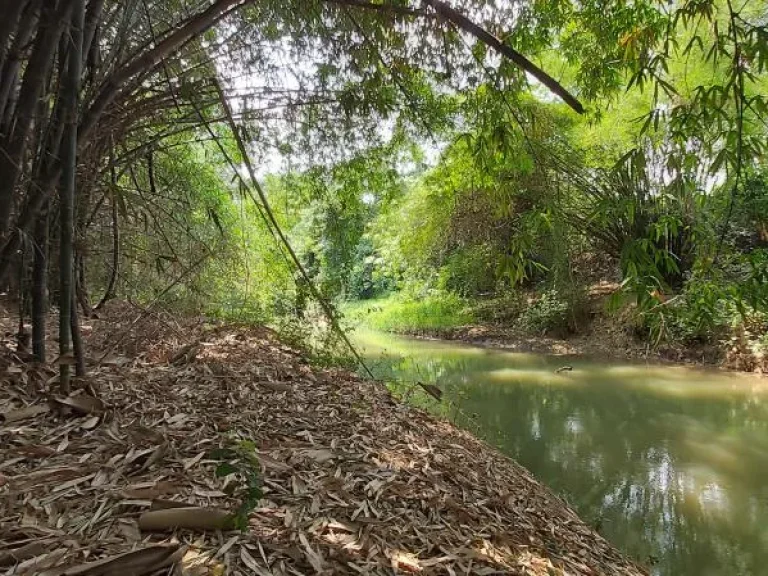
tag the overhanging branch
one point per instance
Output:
(465, 24)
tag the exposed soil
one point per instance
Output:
(607, 337)
(353, 482)
(605, 342)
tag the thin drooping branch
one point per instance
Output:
(330, 313)
(150, 59)
(109, 293)
(521, 61)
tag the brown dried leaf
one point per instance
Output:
(136, 563)
(30, 550)
(275, 386)
(90, 423)
(24, 413)
(81, 404)
(253, 565)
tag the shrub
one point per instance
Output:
(435, 311)
(469, 272)
(550, 314)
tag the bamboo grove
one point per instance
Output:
(95, 94)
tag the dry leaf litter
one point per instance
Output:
(119, 479)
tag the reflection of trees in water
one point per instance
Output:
(674, 478)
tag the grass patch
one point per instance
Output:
(396, 313)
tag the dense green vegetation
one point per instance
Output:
(467, 163)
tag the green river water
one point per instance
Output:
(668, 463)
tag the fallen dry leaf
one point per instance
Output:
(352, 481)
(136, 563)
(80, 404)
(23, 413)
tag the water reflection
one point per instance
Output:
(667, 463)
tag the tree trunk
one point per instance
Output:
(12, 62)
(11, 11)
(40, 286)
(92, 19)
(81, 288)
(67, 194)
(110, 292)
(77, 339)
(14, 145)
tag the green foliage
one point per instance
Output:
(707, 309)
(549, 314)
(366, 279)
(320, 345)
(664, 184)
(238, 459)
(399, 313)
(468, 272)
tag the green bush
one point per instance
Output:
(503, 309)
(399, 313)
(469, 272)
(550, 314)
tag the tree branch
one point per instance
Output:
(464, 23)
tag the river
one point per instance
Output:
(669, 464)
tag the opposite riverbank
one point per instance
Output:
(595, 334)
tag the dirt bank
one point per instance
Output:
(604, 340)
(352, 481)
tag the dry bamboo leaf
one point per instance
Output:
(188, 463)
(155, 457)
(252, 564)
(275, 386)
(81, 404)
(90, 423)
(35, 450)
(267, 462)
(197, 563)
(320, 456)
(115, 361)
(24, 413)
(192, 518)
(149, 491)
(43, 561)
(160, 504)
(136, 563)
(227, 546)
(30, 550)
(313, 557)
(72, 483)
(405, 561)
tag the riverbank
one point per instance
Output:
(597, 335)
(350, 481)
(599, 343)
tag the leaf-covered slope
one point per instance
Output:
(352, 481)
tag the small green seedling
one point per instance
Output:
(240, 459)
